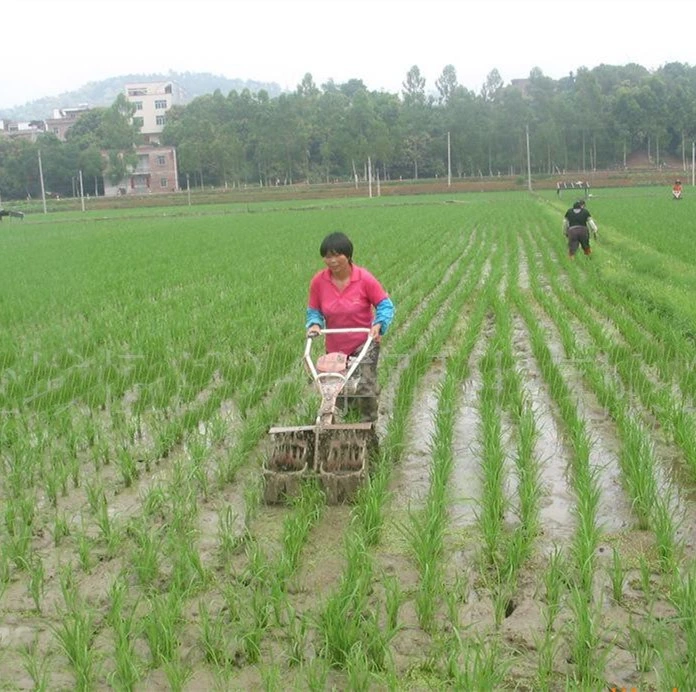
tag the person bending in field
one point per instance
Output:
(9, 212)
(344, 295)
(577, 224)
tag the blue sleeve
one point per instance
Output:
(384, 314)
(314, 316)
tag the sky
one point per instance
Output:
(49, 47)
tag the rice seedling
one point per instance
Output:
(358, 668)
(75, 633)
(36, 581)
(555, 585)
(127, 665)
(229, 537)
(37, 666)
(297, 632)
(178, 673)
(84, 550)
(393, 600)
(161, 358)
(252, 633)
(642, 647)
(146, 553)
(126, 465)
(218, 642)
(475, 664)
(585, 643)
(60, 528)
(161, 626)
(316, 674)
(617, 575)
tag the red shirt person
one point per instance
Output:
(345, 295)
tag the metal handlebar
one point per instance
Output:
(356, 361)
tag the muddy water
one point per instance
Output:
(466, 474)
(614, 511)
(557, 503)
(411, 479)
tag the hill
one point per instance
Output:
(103, 93)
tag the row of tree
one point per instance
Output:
(589, 120)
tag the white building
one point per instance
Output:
(152, 100)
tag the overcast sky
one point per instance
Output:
(49, 47)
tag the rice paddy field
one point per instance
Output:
(530, 518)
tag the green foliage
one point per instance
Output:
(239, 136)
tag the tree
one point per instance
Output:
(447, 83)
(492, 86)
(414, 88)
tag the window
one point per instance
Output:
(159, 120)
(161, 160)
(137, 92)
(161, 104)
(138, 105)
(163, 182)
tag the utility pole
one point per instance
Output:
(43, 189)
(693, 164)
(82, 192)
(449, 161)
(529, 163)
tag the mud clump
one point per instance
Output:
(285, 462)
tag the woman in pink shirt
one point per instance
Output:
(345, 295)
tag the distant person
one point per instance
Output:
(9, 212)
(577, 224)
(677, 190)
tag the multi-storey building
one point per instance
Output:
(63, 119)
(156, 171)
(152, 100)
(22, 130)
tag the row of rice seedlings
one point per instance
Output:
(418, 313)
(351, 596)
(665, 342)
(493, 501)
(75, 633)
(478, 662)
(656, 397)
(585, 641)
(657, 508)
(517, 402)
(513, 398)
(254, 636)
(426, 528)
(268, 582)
(186, 573)
(454, 295)
(150, 574)
(669, 407)
(636, 457)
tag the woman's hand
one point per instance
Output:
(374, 331)
(313, 331)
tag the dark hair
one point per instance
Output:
(338, 243)
(578, 204)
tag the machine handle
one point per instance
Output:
(346, 330)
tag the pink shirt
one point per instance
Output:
(351, 307)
